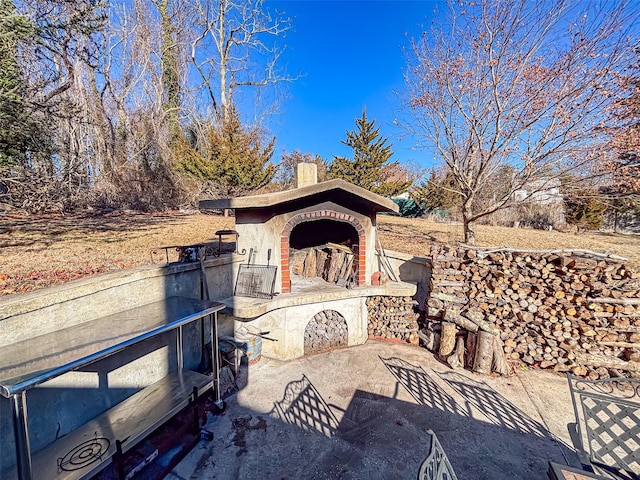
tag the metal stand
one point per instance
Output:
(214, 359)
(23, 448)
(225, 233)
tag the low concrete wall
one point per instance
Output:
(62, 404)
(411, 269)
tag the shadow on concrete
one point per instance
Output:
(421, 386)
(377, 436)
(303, 406)
(496, 408)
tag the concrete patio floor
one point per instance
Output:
(363, 413)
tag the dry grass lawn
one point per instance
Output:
(38, 251)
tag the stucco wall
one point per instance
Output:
(261, 234)
(287, 325)
(411, 269)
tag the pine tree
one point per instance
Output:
(234, 162)
(584, 209)
(370, 167)
(19, 130)
(437, 192)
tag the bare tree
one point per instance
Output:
(62, 39)
(624, 169)
(236, 45)
(288, 161)
(517, 84)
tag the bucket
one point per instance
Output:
(253, 343)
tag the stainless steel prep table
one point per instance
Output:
(26, 364)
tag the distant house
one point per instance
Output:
(399, 174)
(541, 192)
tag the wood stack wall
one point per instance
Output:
(393, 318)
(567, 311)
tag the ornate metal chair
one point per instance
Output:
(606, 433)
(436, 466)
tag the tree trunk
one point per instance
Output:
(469, 233)
(467, 224)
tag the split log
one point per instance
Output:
(567, 251)
(449, 298)
(621, 344)
(460, 320)
(428, 339)
(310, 267)
(499, 364)
(615, 301)
(456, 359)
(446, 283)
(347, 266)
(478, 318)
(337, 246)
(599, 360)
(471, 349)
(623, 328)
(447, 339)
(484, 353)
(321, 260)
(335, 265)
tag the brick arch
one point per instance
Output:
(318, 215)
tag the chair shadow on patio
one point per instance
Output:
(321, 425)
(302, 405)
(421, 386)
(494, 406)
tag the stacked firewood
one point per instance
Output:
(332, 262)
(393, 318)
(571, 311)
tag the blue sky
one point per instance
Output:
(349, 54)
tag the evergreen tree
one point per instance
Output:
(19, 130)
(369, 168)
(233, 163)
(584, 209)
(437, 192)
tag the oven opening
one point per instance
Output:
(325, 249)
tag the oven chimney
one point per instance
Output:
(305, 174)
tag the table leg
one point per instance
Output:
(21, 433)
(179, 351)
(214, 356)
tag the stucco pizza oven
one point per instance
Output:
(275, 226)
